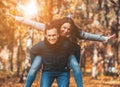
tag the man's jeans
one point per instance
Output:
(33, 70)
(76, 70)
(37, 63)
(48, 77)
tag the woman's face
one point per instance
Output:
(65, 29)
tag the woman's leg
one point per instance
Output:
(33, 70)
(76, 70)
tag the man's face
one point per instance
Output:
(52, 36)
(65, 29)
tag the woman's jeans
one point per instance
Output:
(33, 70)
(48, 78)
(76, 70)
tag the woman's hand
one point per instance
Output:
(109, 38)
(10, 15)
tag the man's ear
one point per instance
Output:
(45, 36)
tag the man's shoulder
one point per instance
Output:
(40, 43)
(66, 43)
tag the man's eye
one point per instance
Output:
(64, 27)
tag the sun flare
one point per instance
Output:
(30, 9)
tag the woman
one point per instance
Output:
(67, 30)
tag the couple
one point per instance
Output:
(67, 29)
(54, 52)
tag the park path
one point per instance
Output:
(103, 81)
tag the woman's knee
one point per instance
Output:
(73, 61)
(35, 65)
(75, 65)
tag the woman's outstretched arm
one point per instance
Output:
(38, 25)
(96, 37)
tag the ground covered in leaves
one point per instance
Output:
(101, 81)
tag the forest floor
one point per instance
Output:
(101, 81)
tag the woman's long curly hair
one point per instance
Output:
(74, 32)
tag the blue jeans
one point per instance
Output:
(48, 77)
(33, 70)
(76, 70)
(37, 63)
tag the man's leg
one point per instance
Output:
(33, 70)
(63, 79)
(76, 70)
(47, 79)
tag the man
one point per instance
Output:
(54, 52)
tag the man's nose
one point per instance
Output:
(66, 30)
(51, 37)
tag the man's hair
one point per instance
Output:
(51, 26)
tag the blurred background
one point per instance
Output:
(99, 62)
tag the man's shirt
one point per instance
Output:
(54, 57)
